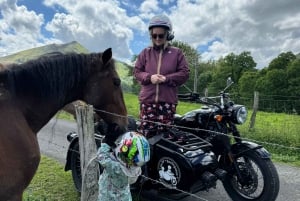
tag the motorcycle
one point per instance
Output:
(197, 151)
(251, 175)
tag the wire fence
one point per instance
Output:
(272, 103)
(267, 102)
(284, 126)
(289, 121)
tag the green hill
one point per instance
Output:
(23, 56)
(34, 53)
(127, 79)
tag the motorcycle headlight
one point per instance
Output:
(239, 113)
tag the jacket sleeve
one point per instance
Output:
(182, 72)
(143, 77)
(105, 159)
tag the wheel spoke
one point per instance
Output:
(253, 184)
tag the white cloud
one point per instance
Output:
(290, 22)
(20, 28)
(68, 23)
(149, 6)
(216, 49)
(95, 24)
(265, 28)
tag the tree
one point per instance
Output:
(293, 76)
(205, 78)
(282, 61)
(239, 64)
(192, 58)
(276, 82)
(232, 66)
(247, 83)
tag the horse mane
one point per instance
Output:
(51, 75)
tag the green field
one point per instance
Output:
(51, 183)
(278, 132)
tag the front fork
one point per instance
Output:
(231, 128)
(235, 165)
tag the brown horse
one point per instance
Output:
(32, 93)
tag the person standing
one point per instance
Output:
(160, 69)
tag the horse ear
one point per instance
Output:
(106, 56)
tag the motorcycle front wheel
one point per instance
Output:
(259, 179)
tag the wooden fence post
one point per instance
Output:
(255, 108)
(206, 92)
(88, 150)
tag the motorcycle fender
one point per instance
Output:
(73, 141)
(245, 146)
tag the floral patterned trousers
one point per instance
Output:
(154, 116)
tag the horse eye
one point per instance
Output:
(117, 82)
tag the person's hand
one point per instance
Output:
(154, 79)
(157, 79)
(161, 78)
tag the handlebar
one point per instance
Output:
(194, 97)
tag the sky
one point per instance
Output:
(215, 28)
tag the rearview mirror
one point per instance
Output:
(229, 81)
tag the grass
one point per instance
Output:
(276, 132)
(51, 183)
(132, 104)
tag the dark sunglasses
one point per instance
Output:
(160, 36)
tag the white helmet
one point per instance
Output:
(162, 21)
(132, 149)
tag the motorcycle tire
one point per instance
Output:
(75, 167)
(246, 191)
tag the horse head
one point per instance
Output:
(103, 90)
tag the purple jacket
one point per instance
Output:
(173, 66)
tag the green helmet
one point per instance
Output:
(132, 149)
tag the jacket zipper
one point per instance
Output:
(158, 72)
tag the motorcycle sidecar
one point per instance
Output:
(180, 162)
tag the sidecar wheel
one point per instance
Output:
(75, 167)
(260, 179)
